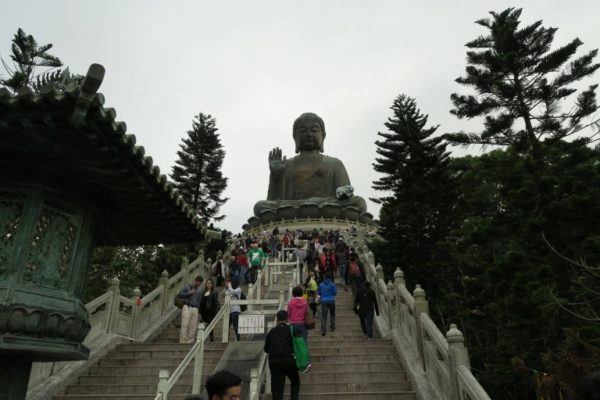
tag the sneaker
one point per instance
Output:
(307, 369)
(332, 329)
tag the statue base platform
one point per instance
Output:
(309, 224)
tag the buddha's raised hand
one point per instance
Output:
(276, 161)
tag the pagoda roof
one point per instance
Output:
(73, 139)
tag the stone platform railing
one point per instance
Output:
(116, 319)
(437, 364)
(312, 223)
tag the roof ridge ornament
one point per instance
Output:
(89, 87)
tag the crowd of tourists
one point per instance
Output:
(323, 258)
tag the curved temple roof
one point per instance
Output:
(69, 137)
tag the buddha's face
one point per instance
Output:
(309, 136)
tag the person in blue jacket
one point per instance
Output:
(327, 292)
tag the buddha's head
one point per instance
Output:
(309, 132)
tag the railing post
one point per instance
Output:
(189, 269)
(371, 257)
(375, 285)
(201, 264)
(226, 304)
(198, 360)
(391, 297)
(281, 300)
(421, 306)
(268, 275)
(458, 355)
(184, 268)
(258, 285)
(254, 385)
(299, 282)
(379, 272)
(398, 283)
(164, 283)
(267, 395)
(399, 278)
(115, 303)
(251, 293)
(135, 312)
(163, 382)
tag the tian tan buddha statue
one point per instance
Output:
(309, 185)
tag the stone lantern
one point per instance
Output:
(70, 179)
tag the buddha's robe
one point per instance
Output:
(309, 178)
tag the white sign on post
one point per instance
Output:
(251, 323)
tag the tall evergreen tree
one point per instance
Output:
(416, 213)
(517, 77)
(197, 173)
(27, 56)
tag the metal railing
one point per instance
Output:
(444, 360)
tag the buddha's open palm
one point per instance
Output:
(276, 161)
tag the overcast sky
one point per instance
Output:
(256, 65)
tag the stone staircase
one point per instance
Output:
(347, 366)
(130, 371)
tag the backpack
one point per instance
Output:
(179, 301)
(354, 269)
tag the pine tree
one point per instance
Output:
(27, 56)
(197, 173)
(518, 78)
(416, 213)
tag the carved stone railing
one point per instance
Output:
(260, 377)
(438, 365)
(312, 223)
(115, 318)
(167, 381)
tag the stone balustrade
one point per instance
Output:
(438, 364)
(116, 319)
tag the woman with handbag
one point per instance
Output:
(297, 309)
(209, 305)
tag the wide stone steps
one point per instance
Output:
(354, 386)
(185, 379)
(381, 395)
(347, 366)
(323, 377)
(124, 389)
(130, 371)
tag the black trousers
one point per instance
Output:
(279, 370)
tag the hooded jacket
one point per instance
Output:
(327, 291)
(366, 302)
(296, 309)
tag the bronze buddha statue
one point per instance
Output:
(310, 178)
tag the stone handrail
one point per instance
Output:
(196, 353)
(310, 223)
(114, 316)
(262, 374)
(166, 382)
(438, 365)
